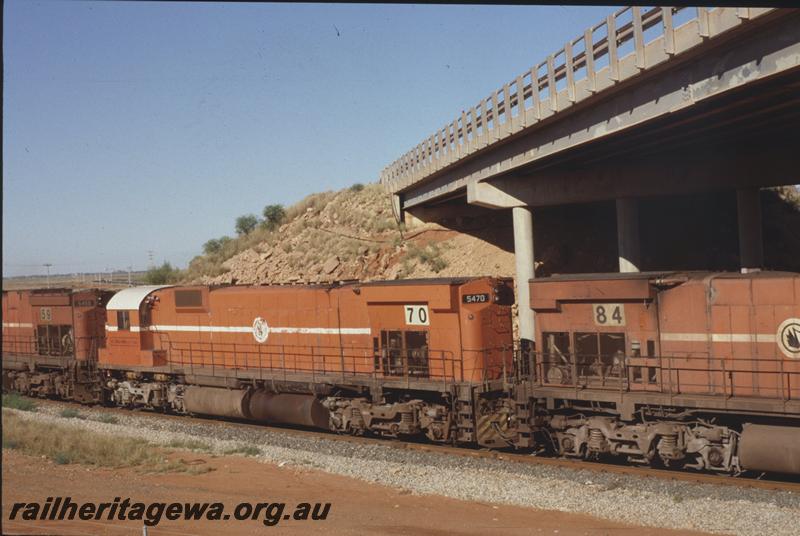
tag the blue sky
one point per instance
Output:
(131, 127)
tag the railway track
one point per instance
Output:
(772, 483)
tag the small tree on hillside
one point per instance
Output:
(245, 224)
(273, 216)
(212, 246)
(162, 275)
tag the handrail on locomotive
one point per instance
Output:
(659, 373)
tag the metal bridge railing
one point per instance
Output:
(586, 65)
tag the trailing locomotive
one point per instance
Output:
(51, 339)
(696, 370)
(692, 370)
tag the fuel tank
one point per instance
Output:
(288, 408)
(233, 403)
(773, 449)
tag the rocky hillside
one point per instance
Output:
(352, 234)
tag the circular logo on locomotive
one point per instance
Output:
(260, 329)
(789, 337)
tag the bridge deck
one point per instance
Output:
(566, 78)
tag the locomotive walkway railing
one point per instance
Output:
(402, 365)
(673, 375)
(81, 347)
(632, 40)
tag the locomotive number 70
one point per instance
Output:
(608, 314)
(416, 315)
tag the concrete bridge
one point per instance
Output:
(649, 102)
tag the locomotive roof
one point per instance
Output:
(129, 299)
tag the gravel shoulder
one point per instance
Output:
(618, 498)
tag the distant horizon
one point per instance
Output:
(132, 127)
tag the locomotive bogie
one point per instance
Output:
(668, 443)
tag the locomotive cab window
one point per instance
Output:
(404, 353)
(599, 354)
(54, 340)
(557, 357)
(123, 320)
(556, 346)
(417, 352)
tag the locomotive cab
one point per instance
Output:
(129, 340)
(457, 330)
(597, 331)
(700, 333)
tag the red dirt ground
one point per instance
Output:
(357, 508)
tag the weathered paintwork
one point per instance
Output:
(54, 322)
(456, 329)
(725, 334)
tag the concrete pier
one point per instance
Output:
(523, 253)
(628, 245)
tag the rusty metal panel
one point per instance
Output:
(733, 336)
(547, 292)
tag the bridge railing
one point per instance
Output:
(629, 41)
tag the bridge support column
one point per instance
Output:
(628, 247)
(751, 245)
(490, 196)
(523, 255)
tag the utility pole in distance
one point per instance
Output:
(48, 265)
(129, 275)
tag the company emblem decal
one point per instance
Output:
(789, 337)
(260, 330)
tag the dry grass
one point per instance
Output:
(21, 403)
(66, 445)
(71, 413)
(189, 444)
(430, 254)
(246, 450)
(106, 418)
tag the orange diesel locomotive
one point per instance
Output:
(46, 333)
(393, 357)
(690, 369)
